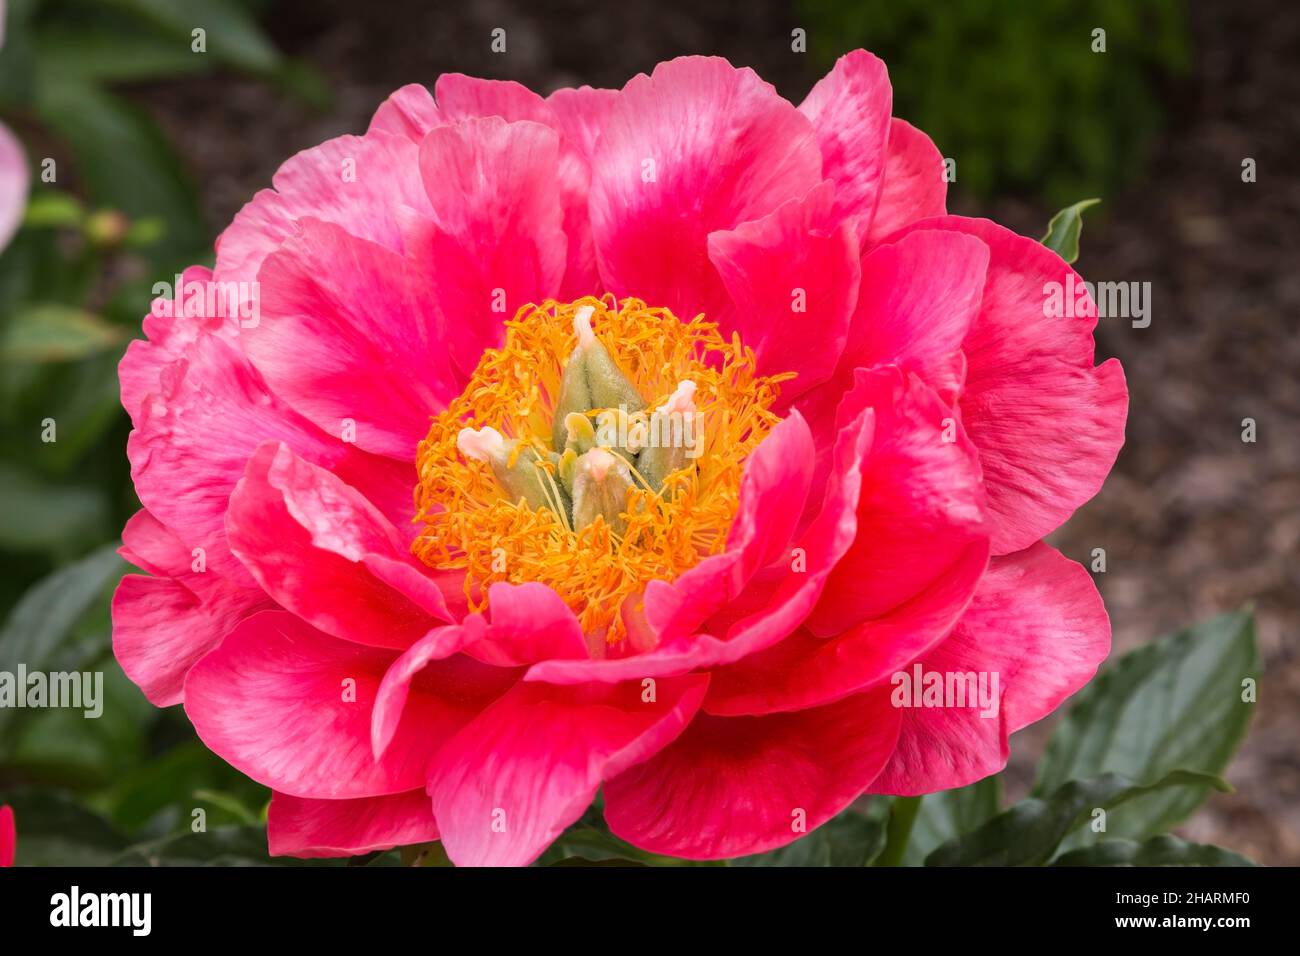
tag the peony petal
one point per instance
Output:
(696, 147)
(1038, 624)
(576, 118)
(530, 623)
(358, 184)
(849, 110)
(161, 629)
(436, 679)
(14, 183)
(733, 786)
(163, 624)
(409, 112)
(495, 240)
(792, 586)
(290, 707)
(342, 328)
(920, 296)
(175, 385)
(198, 307)
(8, 836)
(194, 435)
(920, 549)
(464, 97)
(152, 546)
(919, 300)
(921, 510)
(582, 113)
(772, 495)
(914, 186)
(1047, 424)
(804, 670)
(793, 283)
(529, 765)
(315, 544)
(323, 828)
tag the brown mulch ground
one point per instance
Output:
(1194, 521)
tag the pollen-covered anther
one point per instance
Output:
(601, 447)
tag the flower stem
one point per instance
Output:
(902, 815)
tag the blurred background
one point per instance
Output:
(154, 149)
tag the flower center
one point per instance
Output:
(601, 447)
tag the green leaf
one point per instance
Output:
(55, 333)
(118, 148)
(145, 232)
(432, 854)
(1174, 703)
(852, 838)
(40, 631)
(61, 745)
(219, 846)
(1063, 231)
(18, 59)
(1162, 850)
(232, 35)
(167, 789)
(228, 804)
(594, 843)
(44, 517)
(53, 210)
(83, 398)
(583, 861)
(1029, 833)
(55, 831)
(41, 624)
(115, 52)
(950, 814)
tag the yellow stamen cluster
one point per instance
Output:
(470, 524)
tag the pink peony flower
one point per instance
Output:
(8, 835)
(400, 576)
(14, 178)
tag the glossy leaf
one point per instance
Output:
(231, 34)
(1165, 850)
(1030, 832)
(40, 632)
(853, 838)
(1063, 231)
(1175, 703)
(41, 516)
(55, 831)
(55, 333)
(117, 148)
(218, 846)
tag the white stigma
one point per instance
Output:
(582, 326)
(482, 445)
(682, 400)
(598, 462)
